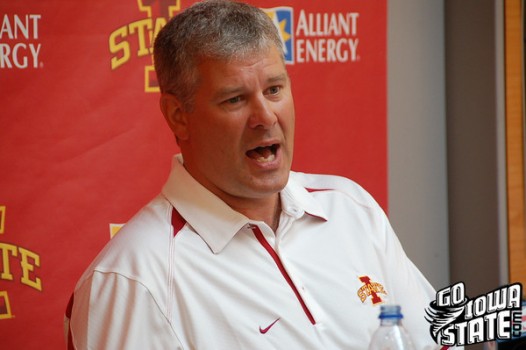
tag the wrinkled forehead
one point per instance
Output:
(239, 51)
(240, 58)
(269, 54)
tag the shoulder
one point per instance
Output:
(142, 241)
(336, 185)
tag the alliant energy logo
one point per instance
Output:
(458, 320)
(317, 37)
(19, 45)
(283, 20)
(311, 37)
(27, 262)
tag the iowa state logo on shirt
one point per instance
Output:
(370, 289)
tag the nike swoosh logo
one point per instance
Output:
(265, 330)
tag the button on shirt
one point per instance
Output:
(189, 272)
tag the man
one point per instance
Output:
(238, 252)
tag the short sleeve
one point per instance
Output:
(111, 311)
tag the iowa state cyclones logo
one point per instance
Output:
(15, 260)
(140, 35)
(370, 289)
(458, 320)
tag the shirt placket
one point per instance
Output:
(268, 241)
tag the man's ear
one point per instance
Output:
(175, 115)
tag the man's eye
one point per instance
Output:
(234, 100)
(274, 90)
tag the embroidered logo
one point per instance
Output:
(266, 329)
(370, 289)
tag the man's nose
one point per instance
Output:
(261, 113)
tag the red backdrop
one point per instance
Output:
(83, 144)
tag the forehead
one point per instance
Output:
(266, 64)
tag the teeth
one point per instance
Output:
(269, 158)
(263, 154)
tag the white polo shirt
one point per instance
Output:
(188, 272)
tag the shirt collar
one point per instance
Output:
(214, 221)
(296, 200)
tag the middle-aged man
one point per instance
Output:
(238, 252)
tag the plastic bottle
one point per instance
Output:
(391, 335)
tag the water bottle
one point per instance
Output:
(391, 335)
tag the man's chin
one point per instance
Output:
(262, 189)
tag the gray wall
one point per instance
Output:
(446, 114)
(417, 134)
(476, 152)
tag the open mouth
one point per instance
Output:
(263, 154)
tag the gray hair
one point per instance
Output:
(213, 29)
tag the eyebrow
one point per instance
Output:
(278, 78)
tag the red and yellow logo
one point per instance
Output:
(370, 289)
(28, 262)
(141, 34)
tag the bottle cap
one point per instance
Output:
(390, 311)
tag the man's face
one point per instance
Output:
(239, 136)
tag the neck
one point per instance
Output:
(267, 210)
